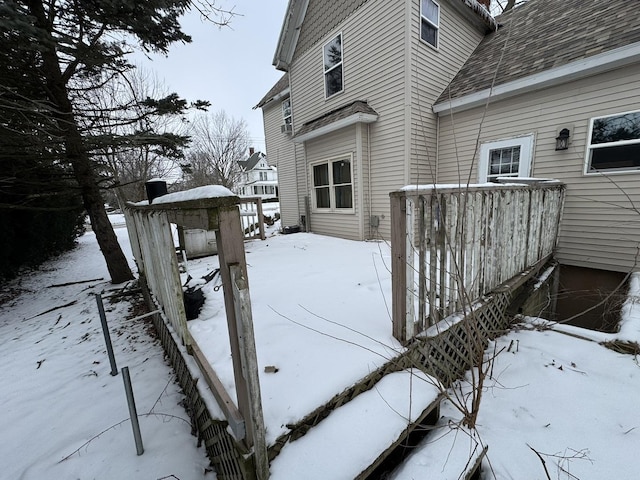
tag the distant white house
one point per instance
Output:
(258, 179)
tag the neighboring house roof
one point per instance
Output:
(328, 14)
(279, 90)
(358, 111)
(541, 42)
(251, 162)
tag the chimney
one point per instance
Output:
(251, 151)
(486, 3)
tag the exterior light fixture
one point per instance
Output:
(562, 140)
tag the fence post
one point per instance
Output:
(107, 336)
(399, 264)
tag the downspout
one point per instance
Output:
(369, 175)
(435, 180)
(360, 168)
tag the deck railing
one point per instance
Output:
(252, 217)
(453, 244)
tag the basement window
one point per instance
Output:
(614, 143)
(429, 22)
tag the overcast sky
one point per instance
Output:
(230, 67)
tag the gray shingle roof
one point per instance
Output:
(251, 162)
(358, 106)
(543, 34)
(280, 86)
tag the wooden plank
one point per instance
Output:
(399, 264)
(244, 319)
(231, 412)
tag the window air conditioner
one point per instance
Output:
(286, 128)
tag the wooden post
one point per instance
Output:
(246, 341)
(399, 264)
(260, 218)
(233, 269)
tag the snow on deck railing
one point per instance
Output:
(452, 244)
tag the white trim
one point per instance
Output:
(341, 65)
(589, 148)
(332, 194)
(332, 127)
(525, 142)
(435, 25)
(593, 65)
(289, 34)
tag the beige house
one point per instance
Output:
(378, 95)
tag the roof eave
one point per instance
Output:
(289, 34)
(586, 67)
(332, 127)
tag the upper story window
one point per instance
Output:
(332, 59)
(263, 175)
(505, 158)
(614, 143)
(286, 111)
(429, 22)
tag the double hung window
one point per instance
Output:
(429, 22)
(614, 143)
(332, 185)
(332, 60)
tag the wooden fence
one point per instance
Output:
(452, 245)
(152, 245)
(252, 217)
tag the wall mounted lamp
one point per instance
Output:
(562, 140)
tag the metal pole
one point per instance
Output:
(132, 410)
(107, 337)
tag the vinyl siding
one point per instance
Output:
(281, 152)
(431, 72)
(373, 63)
(336, 224)
(601, 223)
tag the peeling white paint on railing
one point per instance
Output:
(452, 245)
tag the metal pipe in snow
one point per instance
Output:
(133, 413)
(107, 337)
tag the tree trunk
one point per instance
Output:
(77, 155)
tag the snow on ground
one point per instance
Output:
(62, 415)
(573, 401)
(321, 317)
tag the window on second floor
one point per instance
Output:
(263, 175)
(429, 22)
(332, 59)
(614, 143)
(286, 111)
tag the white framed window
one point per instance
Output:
(505, 158)
(332, 62)
(614, 143)
(286, 111)
(332, 182)
(263, 175)
(429, 22)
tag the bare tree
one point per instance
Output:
(218, 142)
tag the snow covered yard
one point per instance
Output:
(62, 415)
(568, 401)
(321, 318)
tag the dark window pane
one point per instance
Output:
(341, 172)
(623, 157)
(321, 175)
(333, 81)
(333, 53)
(343, 197)
(614, 129)
(322, 197)
(429, 33)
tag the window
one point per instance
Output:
(332, 58)
(286, 111)
(263, 175)
(429, 22)
(505, 158)
(614, 143)
(332, 186)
